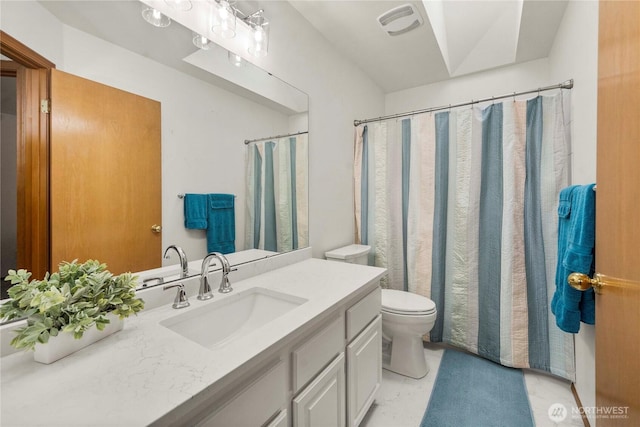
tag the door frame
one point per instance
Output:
(33, 79)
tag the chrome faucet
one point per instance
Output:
(225, 286)
(205, 292)
(181, 300)
(183, 259)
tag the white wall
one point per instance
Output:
(499, 81)
(197, 113)
(575, 55)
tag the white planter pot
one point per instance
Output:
(64, 343)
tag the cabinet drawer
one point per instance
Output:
(317, 352)
(363, 312)
(265, 396)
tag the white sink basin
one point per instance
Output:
(220, 322)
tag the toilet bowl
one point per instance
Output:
(406, 317)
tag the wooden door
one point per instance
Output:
(32, 86)
(617, 215)
(105, 175)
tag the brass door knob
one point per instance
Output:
(156, 228)
(582, 282)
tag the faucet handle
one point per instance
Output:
(180, 300)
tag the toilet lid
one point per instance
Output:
(406, 303)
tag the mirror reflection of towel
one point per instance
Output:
(221, 230)
(216, 214)
(195, 211)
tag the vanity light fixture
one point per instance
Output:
(224, 24)
(259, 40)
(154, 17)
(201, 42)
(224, 20)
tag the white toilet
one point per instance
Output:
(406, 317)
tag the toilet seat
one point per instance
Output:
(406, 303)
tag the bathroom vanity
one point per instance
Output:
(296, 346)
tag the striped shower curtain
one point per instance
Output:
(276, 199)
(461, 207)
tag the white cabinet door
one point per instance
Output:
(322, 403)
(364, 371)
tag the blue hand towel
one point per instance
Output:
(576, 253)
(221, 229)
(195, 211)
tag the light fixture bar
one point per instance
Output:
(213, 21)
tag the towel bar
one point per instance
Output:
(181, 196)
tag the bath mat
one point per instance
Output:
(472, 391)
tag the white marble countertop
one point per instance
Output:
(141, 373)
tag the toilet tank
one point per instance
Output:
(353, 254)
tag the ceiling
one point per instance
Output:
(459, 37)
(474, 35)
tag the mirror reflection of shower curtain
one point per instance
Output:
(277, 200)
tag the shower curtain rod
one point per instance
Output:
(565, 85)
(249, 141)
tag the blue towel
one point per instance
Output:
(195, 211)
(576, 253)
(221, 219)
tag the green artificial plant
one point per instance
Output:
(70, 300)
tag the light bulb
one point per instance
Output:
(258, 35)
(259, 42)
(235, 59)
(224, 20)
(200, 41)
(154, 17)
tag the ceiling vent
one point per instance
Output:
(400, 20)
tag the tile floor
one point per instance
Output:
(402, 401)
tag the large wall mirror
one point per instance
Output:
(217, 117)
